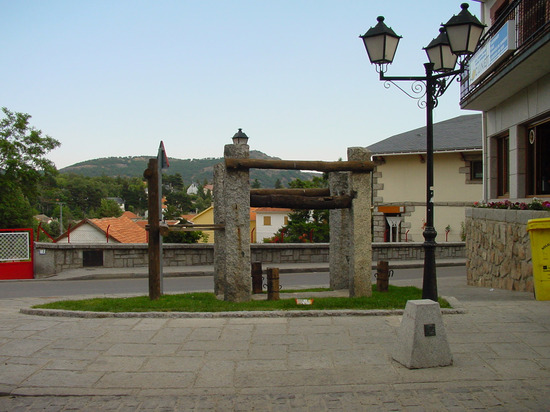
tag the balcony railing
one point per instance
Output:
(532, 22)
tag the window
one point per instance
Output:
(532, 16)
(503, 166)
(286, 221)
(538, 163)
(267, 220)
(476, 170)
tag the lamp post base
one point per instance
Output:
(429, 281)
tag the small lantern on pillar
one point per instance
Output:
(240, 137)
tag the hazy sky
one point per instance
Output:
(115, 77)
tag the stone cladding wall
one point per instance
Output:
(52, 258)
(498, 250)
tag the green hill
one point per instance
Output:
(192, 170)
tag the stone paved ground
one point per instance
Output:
(501, 351)
(494, 396)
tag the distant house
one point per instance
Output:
(268, 221)
(119, 201)
(264, 222)
(106, 230)
(193, 189)
(43, 219)
(399, 180)
(206, 217)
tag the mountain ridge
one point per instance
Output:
(191, 170)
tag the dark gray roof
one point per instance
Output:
(460, 133)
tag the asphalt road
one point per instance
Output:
(50, 287)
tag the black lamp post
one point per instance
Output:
(458, 38)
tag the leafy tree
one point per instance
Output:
(315, 182)
(173, 182)
(108, 208)
(184, 237)
(22, 166)
(305, 226)
(83, 195)
(179, 203)
(15, 209)
(133, 193)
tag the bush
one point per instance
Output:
(536, 204)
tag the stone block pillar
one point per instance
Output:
(421, 338)
(219, 219)
(360, 282)
(340, 230)
(236, 242)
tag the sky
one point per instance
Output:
(114, 78)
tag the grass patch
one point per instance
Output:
(396, 298)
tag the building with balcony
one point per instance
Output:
(509, 81)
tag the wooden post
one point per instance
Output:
(272, 283)
(256, 272)
(154, 248)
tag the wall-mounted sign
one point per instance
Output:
(502, 44)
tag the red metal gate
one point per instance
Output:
(16, 254)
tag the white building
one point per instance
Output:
(268, 221)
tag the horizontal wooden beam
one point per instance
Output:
(301, 202)
(293, 192)
(342, 166)
(165, 229)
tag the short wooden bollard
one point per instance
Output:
(272, 283)
(383, 276)
(256, 271)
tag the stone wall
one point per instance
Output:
(498, 250)
(52, 258)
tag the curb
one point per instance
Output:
(457, 309)
(215, 315)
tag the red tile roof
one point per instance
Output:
(122, 229)
(130, 215)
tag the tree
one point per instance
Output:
(256, 184)
(22, 166)
(109, 208)
(184, 237)
(306, 225)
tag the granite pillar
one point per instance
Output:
(236, 199)
(340, 231)
(360, 283)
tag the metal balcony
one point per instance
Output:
(512, 54)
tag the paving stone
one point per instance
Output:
(501, 354)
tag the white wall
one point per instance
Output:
(263, 231)
(86, 234)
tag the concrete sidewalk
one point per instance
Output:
(500, 346)
(208, 270)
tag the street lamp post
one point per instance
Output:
(458, 38)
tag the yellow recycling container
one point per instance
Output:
(539, 233)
